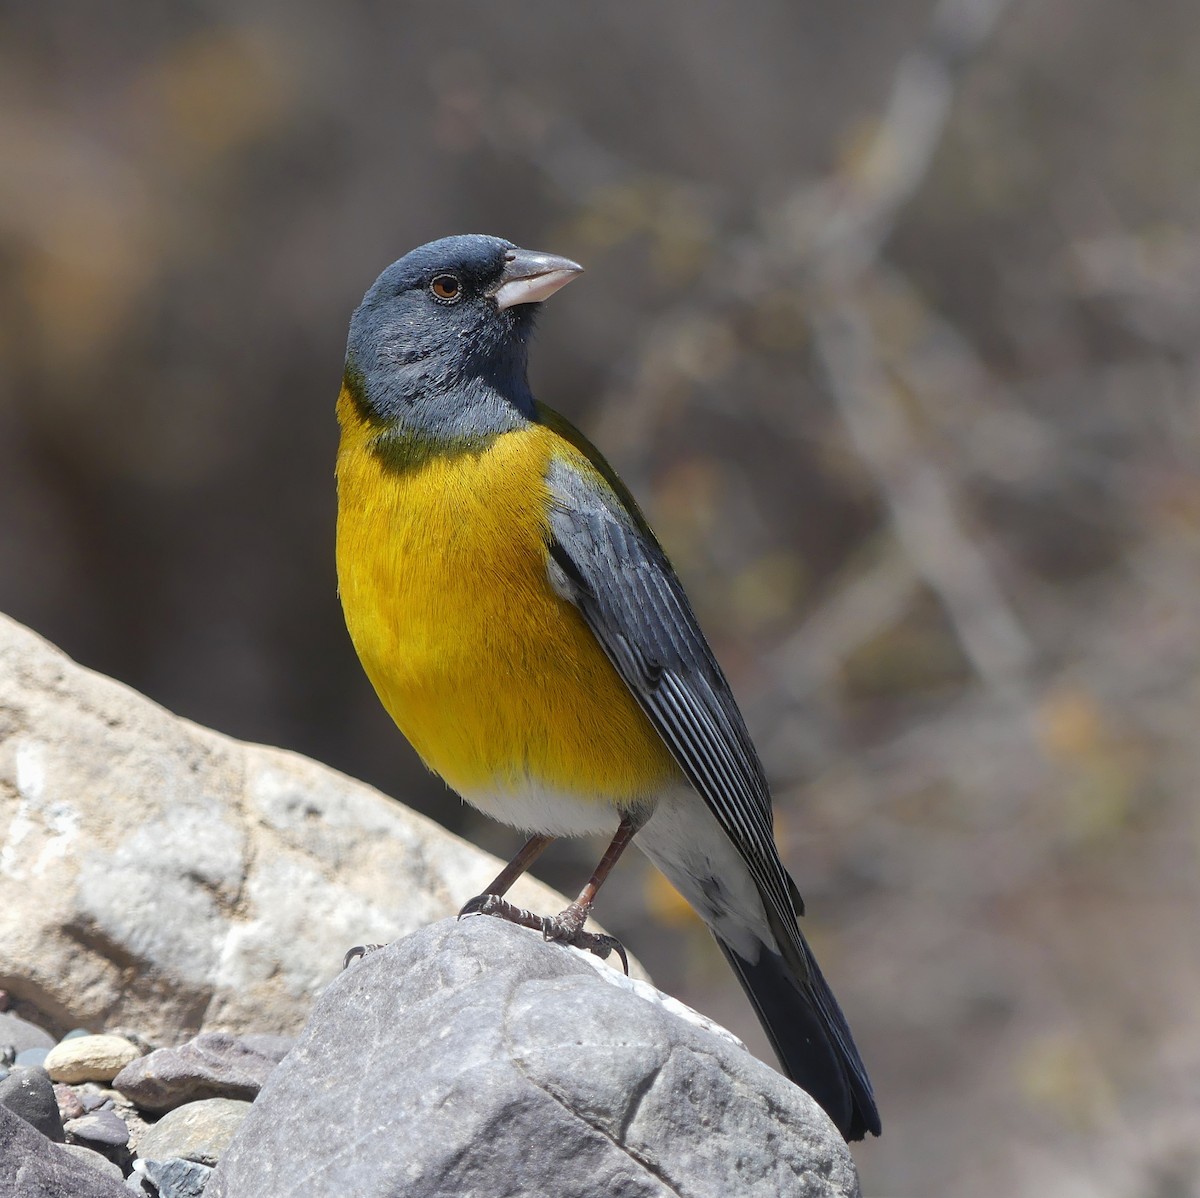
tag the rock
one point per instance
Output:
(177, 1178)
(32, 1167)
(273, 1048)
(70, 1105)
(211, 1065)
(30, 1094)
(90, 1058)
(32, 1058)
(472, 1057)
(158, 875)
(93, 1098)
(199, 1131)
(94, 1160)
(19, 1034)
(100, 1127)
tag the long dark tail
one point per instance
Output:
(810, 1036)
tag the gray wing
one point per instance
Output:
(606, 562)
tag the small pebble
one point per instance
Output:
(103, 1127)
(75, 1033)
(94, 1100)
(30, 1094)
(70, 1105)
(178, 1178)
(90, 1058)
(29, 1058)
(101, 1163)
(198, 1131)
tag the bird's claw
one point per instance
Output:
(564, 928)
(493, 904)
(357, 953)
(592, 942)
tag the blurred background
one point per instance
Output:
(892, 320)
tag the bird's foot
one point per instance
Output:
(567, 928)
(358, 952)
(564, 928)
(493, 904)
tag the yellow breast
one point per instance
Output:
(496, 680)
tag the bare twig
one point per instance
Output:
(842, 223)
(857, 609)
(918, 497)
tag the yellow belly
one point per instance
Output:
(496, 681)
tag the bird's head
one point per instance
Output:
(438, 345)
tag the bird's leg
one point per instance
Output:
(491, 902)
(567, 926)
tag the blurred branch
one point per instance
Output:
(918, 495)
(844, 221)
(1153, 284)
(994, 435)
(870, 601)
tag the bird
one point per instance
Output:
(524, 629)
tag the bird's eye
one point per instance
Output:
(446, 288)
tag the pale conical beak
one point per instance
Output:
(530, 277)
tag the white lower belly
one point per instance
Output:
(553, 813)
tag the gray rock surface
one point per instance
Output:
(93, 1160)
(19, 1034)
(472, 1058)
(29, 1093)
(211, 1065)
(198, 1131)
(158, 875)
(32, 1167)
(105, 1128)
